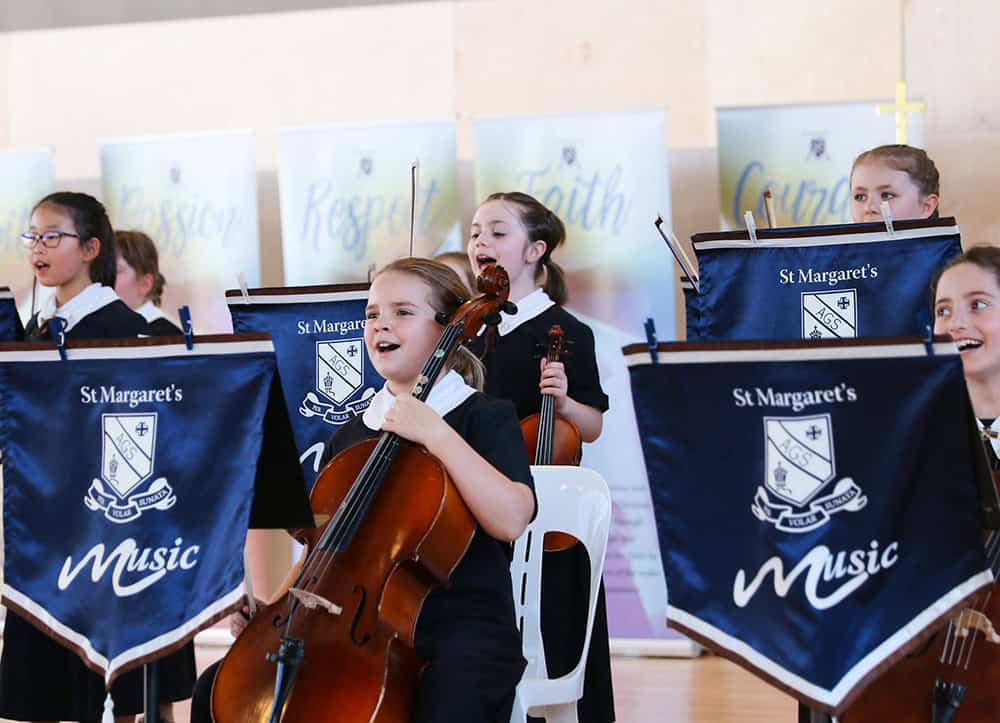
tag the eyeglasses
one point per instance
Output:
(49, 239)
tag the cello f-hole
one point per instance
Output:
(357, 617)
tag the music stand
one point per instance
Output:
(280, 501)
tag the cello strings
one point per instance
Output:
(321, 556)
(993, 557)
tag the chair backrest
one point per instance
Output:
(574, 500)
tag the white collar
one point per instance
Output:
(450, 391)
(527, 309)
(93, 297)
(150, 312)
(993, 438)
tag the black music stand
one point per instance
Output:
(280, 501)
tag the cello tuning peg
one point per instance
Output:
(508, 307)
(442, 318)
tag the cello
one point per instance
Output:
(550, 439)
(955, 676)
(338, 646)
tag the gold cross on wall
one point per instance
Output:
(901, 107)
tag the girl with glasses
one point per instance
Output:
(72, 249)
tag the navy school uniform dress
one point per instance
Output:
(466, 630)
(39, 678)
(513, 372)
(159, 325)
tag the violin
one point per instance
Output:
(338, 646)
(953, 678)
(551, 439)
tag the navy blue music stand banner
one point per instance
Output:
(821, 282)
(129, 473)
(11, 328)
(318, 334)
(816, 503)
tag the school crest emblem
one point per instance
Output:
(830, 314)
(128, 454)
(340, 373)
(340, 370)
(817, 147)
(799, 457)
(129, 446)
(799, 463)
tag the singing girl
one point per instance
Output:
(518, 232)
(72, 249)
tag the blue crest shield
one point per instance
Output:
(128, 450)
(830, 315)
(340, 370)
(799, 459)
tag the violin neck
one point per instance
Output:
(345, 523)
(546, 430)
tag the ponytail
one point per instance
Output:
(470, 367)
(555, 281)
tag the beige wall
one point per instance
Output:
(70, 87)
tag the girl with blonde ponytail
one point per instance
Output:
(466, 631)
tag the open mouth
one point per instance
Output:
(41, 266)
(968, 344)
(482, 260)
(384, 347)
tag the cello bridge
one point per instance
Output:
(312, 601)
(971, 620)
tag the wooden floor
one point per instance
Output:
(677, 690)
(704, 690)
(665, 690)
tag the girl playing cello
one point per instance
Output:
(466, 631)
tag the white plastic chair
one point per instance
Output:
(574, 500)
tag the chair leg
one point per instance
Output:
(564, 713)
(518, 714)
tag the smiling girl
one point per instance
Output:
(967, 307)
